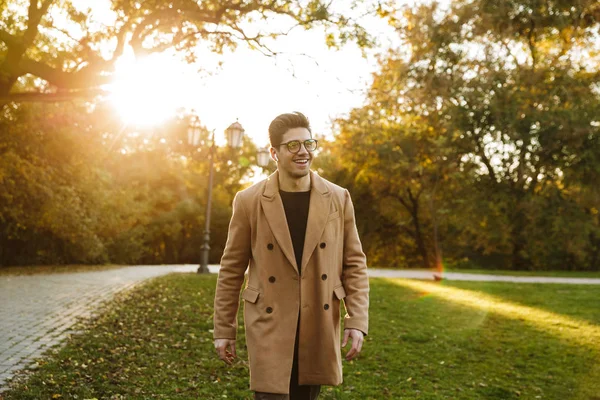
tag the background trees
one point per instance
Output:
(482, 131)
(73, 192)
(478, 143)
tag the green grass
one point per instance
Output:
(458, 340)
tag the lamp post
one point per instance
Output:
(263, 157)
(203, 268)
(234, 134)
(194, 131)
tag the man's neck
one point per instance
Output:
(289, 184)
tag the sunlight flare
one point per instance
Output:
(581, 332)
(147, 91)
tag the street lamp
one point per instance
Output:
(263, 157)
(194, 131)
(234, 134)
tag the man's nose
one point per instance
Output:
(303, 150)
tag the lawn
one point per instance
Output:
(457, 340)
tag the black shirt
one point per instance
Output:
(295, 205)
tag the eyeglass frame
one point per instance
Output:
(302, 143)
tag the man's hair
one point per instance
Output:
(283, 123)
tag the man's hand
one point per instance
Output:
(224, 354)
(357, 342)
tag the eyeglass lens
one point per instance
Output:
(294, 145)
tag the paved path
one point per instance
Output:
(456, 276)
(38, 311)
(459, 276)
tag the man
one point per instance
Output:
(296, 233)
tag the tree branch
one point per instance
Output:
(404, 203)
(10, 40)
(121, 38)
(51, 97)
(256, 39)
(86, 77)
(480, 149)
(152, 20)
(35, 15)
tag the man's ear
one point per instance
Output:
(273, 154)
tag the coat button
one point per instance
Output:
(323, 245)
(326, 306)
(270, 246)
(272, 279)
(269, 310)
(324, 276)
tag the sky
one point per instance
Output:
(325, 85)
(250, 87)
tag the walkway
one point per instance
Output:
(459, 276)
(38, 311)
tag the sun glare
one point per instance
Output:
(571, 329)
(149, 90)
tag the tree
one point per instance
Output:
(55, 201)
(60, 48)
(405, 165)
(510, 92)
(71, 191)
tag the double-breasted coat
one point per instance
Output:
(276, 295)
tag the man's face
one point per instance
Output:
(294, 165)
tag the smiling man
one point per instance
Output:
(295, 232)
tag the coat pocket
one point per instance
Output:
(339, 292)
(251, 295)
(333, 216)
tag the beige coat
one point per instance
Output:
(333, 268)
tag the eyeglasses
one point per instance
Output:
(294, 145)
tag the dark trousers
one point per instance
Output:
(297, 392)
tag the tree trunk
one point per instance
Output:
(420, 242)
(518, 261)
(413, 210)
(595, 252)
(418, 234)
(437, 252)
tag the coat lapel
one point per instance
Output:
(275, 214)
(320, 201)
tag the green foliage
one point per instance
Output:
(480, 137)
(78, 189)
(48, 189)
